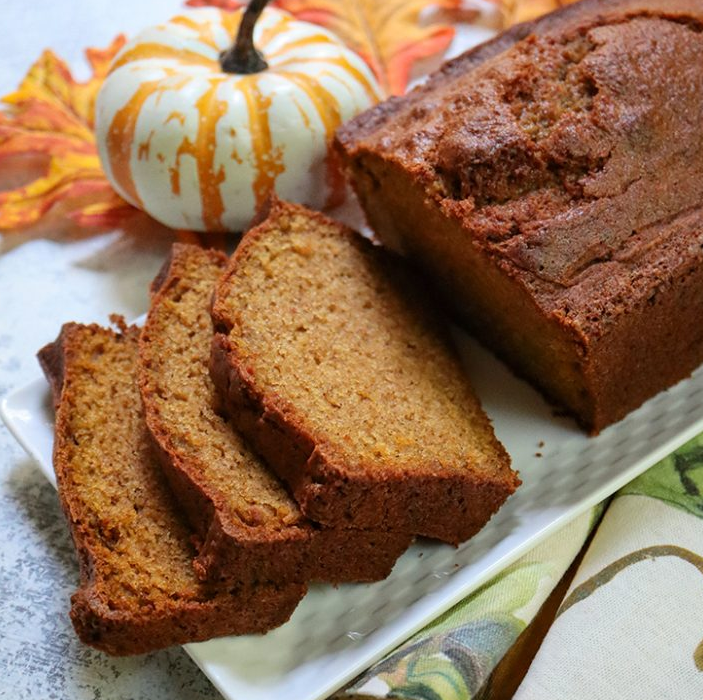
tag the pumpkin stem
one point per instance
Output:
(242, 56)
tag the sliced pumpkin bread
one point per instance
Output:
(337, 367)
(138, 590)
(249, 527)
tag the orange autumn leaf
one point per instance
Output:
(229, 5)
(390, 35)
(51, 114)
(515, 11)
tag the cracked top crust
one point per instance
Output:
(565, 149)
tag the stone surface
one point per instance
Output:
(45, 283)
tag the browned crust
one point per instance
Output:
(447, 506)
(51, 358)
(234, 612)
(220, 611)
(354, 131)
(656, 343)
(231, 550)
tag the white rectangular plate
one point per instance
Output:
(337, 632)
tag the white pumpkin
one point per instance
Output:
(201, 149)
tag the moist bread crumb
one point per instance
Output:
(335, 366)
(138, 590)
(249, 528)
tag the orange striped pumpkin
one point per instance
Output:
(201, 149)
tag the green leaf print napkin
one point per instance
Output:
(452, 658)
(631, 625)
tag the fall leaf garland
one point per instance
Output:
(388, 35)
(52, 114)
(515, 11)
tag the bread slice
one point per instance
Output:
(138, 591)
(336, 366)
(249, 527)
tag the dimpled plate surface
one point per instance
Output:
(337, 632)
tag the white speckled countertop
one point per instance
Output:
(42, 284)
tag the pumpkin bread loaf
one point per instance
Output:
(138, 590)
(248, 525)
(551, 182)
(336, 367)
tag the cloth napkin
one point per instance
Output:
(630, 625)
(453, 658)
